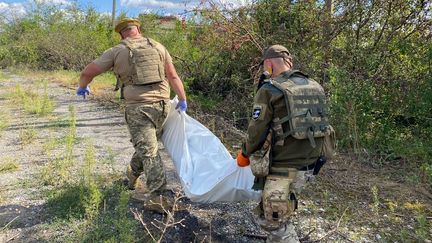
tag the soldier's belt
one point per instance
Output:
(285, 172)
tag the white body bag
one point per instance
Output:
(207, 171)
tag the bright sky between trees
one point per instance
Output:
(131, 7)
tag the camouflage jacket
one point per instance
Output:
(269, 103)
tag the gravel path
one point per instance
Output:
(22, 204)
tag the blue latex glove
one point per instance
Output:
(83, 91)
(182, 105)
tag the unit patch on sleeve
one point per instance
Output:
(256, 112)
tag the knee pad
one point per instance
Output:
(279, 199)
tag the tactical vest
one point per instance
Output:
(305, 103)
(147, 65)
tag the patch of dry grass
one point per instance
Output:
(103, 82)
(8, 165)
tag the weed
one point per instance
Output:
(3, 76)
(375, 199)
(8, 165)
(91, 195)
(32, 102)
(27, 135)
(71, 135)
(422, 227)
(115, 216)
(4, 121)
(415, 206)
(57, 171)
(49, 145)
(80, 199)
(110, 158)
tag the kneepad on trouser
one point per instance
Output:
(279, 200)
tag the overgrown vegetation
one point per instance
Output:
(374, 59)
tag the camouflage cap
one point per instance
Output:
(275, 51)
(126, 22)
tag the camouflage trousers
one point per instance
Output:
(281, 230)
(145, 127)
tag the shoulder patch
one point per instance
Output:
(256, 113)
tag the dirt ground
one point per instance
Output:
(353, 200)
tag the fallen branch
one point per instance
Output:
(10, 222)
(304, 238)
(138, 216)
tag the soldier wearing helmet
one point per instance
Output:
(289, 139)
(145, 73)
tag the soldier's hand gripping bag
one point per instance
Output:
(279, 201)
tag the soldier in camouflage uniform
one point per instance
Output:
(288, 141)
(145, 73)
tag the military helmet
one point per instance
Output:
(126, 22)
(275, 51)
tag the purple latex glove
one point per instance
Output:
(182, 105)
(83, 91)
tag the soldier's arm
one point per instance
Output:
(174, 81)
(98, 66)
(89, 72)
(259, 125)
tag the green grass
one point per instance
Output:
(101, 206)
(33, 102)
(3, 76)
(27, 135)
(4, 121)
(8, 165)
(89, 204)
(57, 171)
(70, 78)
(205, 102)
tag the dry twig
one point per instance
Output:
(334, 229)
(10, 222)
(168, 221)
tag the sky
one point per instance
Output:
(131, 7)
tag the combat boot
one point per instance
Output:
(132, 178)
(141, 192)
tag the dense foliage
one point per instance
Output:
(373, 57)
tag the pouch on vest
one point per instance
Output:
(279, 200)
(305, 103)
(329, 145)
(260, 163)
(147, 65)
